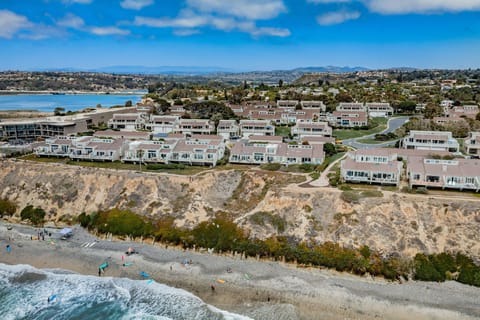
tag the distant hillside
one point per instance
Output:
(216, 73)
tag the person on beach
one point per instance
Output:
(212, 287)
(99, 272)
(8, 248)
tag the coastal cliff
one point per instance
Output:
(264, 203)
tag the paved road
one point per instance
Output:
(392, 125)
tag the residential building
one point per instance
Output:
(351, 106)
(149, 151)
(97, 149)
(228, 129)
(472, 143)
(29, 130)
(128, 135)
(127, 121)
(467, 111)
(195, 126)
(350, 119)
(265, 139)
(460, 174)
(256, 127)
(378, 166)
(55, 147)
(310, 128)
(287, 104)
(430, 140)
(199, 150)
(283, 153)
(378, 109)
(313, 104)
(162, 124)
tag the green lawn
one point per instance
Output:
(373, 141)
(114, 165)
(379, 124)
(282, 131)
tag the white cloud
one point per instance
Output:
(11, 23)
(71, 21)
(337, 17)
(190, 20)
(411, 6)
(186, 32)
(421, 6)
(183, 21)
(248, 9)
(107, 31)
(136, 4)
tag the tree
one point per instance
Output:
(329, 149)
(128, 103)
(59, 111)
(280, 83)
(432, 110)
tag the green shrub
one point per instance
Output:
(315, 175)
(262, 217)
(271, 166)
(122, 222)
(7, 207)
(425, 269)
(371, 194)
(306, 167)
(35, 215)
(350, 196)
(84, 220)
(421, 190)
(170, 166)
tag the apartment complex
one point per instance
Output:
(196, 150)
(127, 121)
(460, 174)
(256, 127)
(228, 129)
(274, 152)
(472, 143)
(82, 148)
(310, 128)
(349, 119)
(31, 129)
(378, 166)
(379, 109)
(430, 140)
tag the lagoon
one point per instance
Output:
(71, 102)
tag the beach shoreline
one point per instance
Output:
(257, 289)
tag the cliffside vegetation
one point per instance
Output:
(225, 236)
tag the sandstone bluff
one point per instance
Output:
(394, 223)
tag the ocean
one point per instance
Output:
(25, 290)
(71, 102)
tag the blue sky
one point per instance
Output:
(239, 34)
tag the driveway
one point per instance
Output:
(392, 125)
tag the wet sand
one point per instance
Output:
(258, 289)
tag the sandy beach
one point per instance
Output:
(258, 289)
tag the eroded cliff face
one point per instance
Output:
(394, 223)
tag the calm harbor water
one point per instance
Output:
(71, 102)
